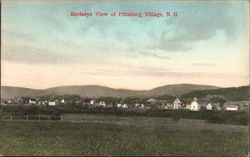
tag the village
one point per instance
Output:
(192, 104)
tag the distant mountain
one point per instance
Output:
(10, 92)
(92, 91)
(101, 91)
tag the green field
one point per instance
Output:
(33, 138)
(221, 117)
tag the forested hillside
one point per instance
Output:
(232, 94)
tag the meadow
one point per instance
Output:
(83, 139)
(220, 117)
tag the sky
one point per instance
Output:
(42, 46)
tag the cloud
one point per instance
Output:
(175, 44)
(102, 72)
(33, 55)
(19, 35)
(144, 71)
(100, 24)
(30, 55)
(203, 64)
(158, 72)
(153, 55)
(201, 22)
(54, 23)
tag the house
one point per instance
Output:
(32, 101)
(78, 102)
(51, 103)
(124, 106)
(3, 102)
(40, 102)
(177, 104)
(209, 106)
(195, 106)
(92, 102)
(18, 100)
(102, 103)
(142, 106)
(242, 105)
(10, 101)
(45, 102)
(151, 100)
(188, 107)
(25, 100)
(119, 105)
(63, 101)
(163, 106)
(232, 108)
(167, 106)
(136, 105)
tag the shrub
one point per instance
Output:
(243, 121)
(215, 119)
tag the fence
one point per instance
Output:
(43, 118)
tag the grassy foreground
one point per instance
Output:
(52, 139)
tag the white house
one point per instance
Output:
(63, 101)
(142, 106)
(40, 102)
(32, 101)
(177, 104)
(136, 105)
(52, 103)
(44, 102)
(124, 106)
(195, 106)
(209, 106)
(151, 100)
(119, 105)
(167, 106)
(232, 108)
(92, 102)
(2, 102)
(242, 105)
(102, 103)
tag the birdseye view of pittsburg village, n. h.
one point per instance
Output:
(120, 85)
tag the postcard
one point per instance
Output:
(124, 78)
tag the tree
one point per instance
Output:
(219, 100)
(168, 98)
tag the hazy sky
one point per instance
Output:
(43, 46)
